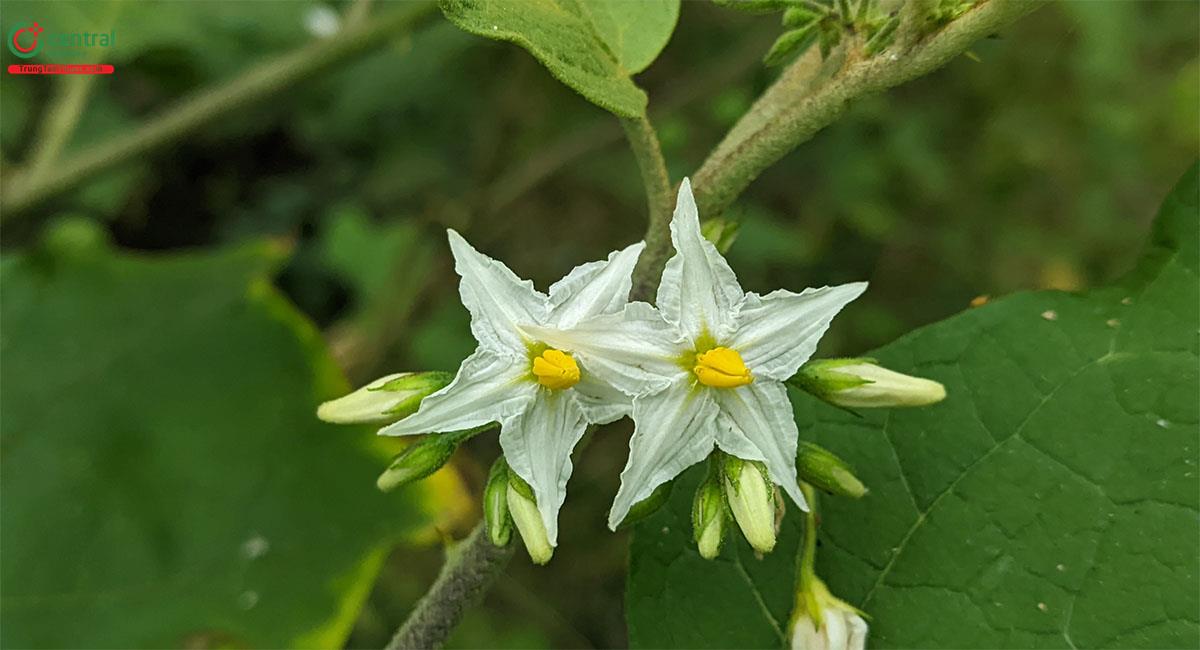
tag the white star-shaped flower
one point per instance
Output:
(542, 397)
(707, 367)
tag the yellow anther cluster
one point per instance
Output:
(555, 369)
(722, 368)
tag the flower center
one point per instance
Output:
(555, 369)
(722, 368)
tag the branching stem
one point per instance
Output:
(659, 199)
(796, 106)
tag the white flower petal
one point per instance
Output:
(537, 444)
(755, 423)
(499, 301)
(778, 332)
(595, 288)
(600, 401)
(857, 638)
(488, 388)
(674, 429)
(634, 350)
(698, 292)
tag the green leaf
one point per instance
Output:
(590, 45)
(166, 482)
(1050, 501)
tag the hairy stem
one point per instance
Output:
(26, 188)
(800, 103)
(471, 567)
(659, 197)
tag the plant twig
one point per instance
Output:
(790, 111)
(659, 199)
(25, 189)
(469, 571)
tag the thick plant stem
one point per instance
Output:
(659, 198)
(25, 189)
(469, 571)
(796, 106)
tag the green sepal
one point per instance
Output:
(883, 37)
(789, 43)
(648, 506)
(709, 504)
(495, 504)
(422, 385)
(798, 17)
(519, 484)
(417, 461)
(721, 231)
(822, 469)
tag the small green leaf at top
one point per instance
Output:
(592, 46)
(1050, 501)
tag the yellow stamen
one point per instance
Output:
(555, 369)
(722, 368)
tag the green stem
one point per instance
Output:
(59, 122)
(26, 189)
(795, 107)
(471, 567)
(659, 198)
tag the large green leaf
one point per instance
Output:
(593, 46)
(1050, 501)
(165, 480)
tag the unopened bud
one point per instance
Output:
(708, 517)
(647, 506)
(418, 460)
(824, 622)
(825, 471)
(525, 515)
(720, 231)
(384, 400)
(859, 383)
(751, 497)
(495, 504)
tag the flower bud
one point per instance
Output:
(648, 506)
(819, 467)
(708, 517)
(720, 231)
(418, 460)
(525, 515)
(859, 383)
(495, 504)
(751, 497)
(823, 622)
(384, 400)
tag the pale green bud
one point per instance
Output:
(384, 400)
(647, 506)
(495, 504)
(418, 460)
(751, 497)
(720, 231)
(708, 517)
(821, 468)
(824, 622)
(525, 515)
(859, 383)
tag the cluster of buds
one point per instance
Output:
(508, 500)
(742, 491)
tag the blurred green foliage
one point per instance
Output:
(1036, 164)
